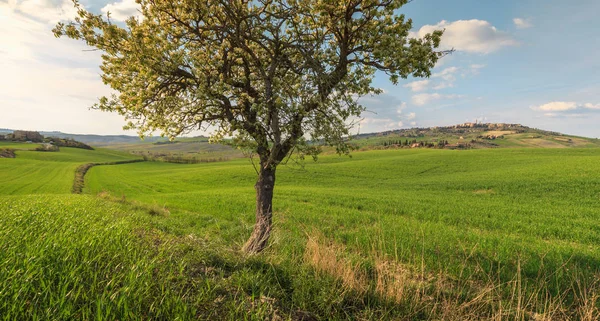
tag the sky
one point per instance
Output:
(533, 62)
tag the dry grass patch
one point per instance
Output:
(331, 259)
(152, 209)
(439, 296)
(499, 132)
(540, 142)
(484, 191)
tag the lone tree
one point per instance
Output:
(272, 74)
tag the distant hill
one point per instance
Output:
(474, 135)
(103, 139)
(94, 139)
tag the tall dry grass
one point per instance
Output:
(439, 296)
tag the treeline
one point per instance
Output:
(7, 153)
(413, 143)
(177, 158)
(184, 160)
(67, 142)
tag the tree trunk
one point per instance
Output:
(264, 211)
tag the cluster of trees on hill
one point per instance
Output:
(456, 129)
(7, 153)
(36, 137)
(177, 158)
(23, 136)
(66, 142)
(413, 143)
(47, 147)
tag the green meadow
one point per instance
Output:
(33, 172)
(408, 234)
(18, 146)
(499, 206)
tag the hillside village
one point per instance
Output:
(472, 135)
(464, 128)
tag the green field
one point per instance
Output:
(18, 146)
(34, 172)
(394, 234)
(530, 202)
(197, 149)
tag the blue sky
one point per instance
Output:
(533, 62)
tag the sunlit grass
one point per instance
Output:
(384, 235)
(537, 206)
(33, 172)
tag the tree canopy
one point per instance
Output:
(272, 74)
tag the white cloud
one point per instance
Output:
(472, 36)
(521, 23)
(591, 106)
(566, 109)
(122, 10)
(417, 86)
(47, 83)
(42, 10)
(414, 123)
(475, 69)
(423, 99)
(401, 107)
(556, 106)
(379, 124)
(411, 116)
(443, 85)
(447, 76)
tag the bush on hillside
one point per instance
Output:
(47, 147)
(7, 153)
(62, 142)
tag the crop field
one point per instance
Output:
(395, 234)
(496, 205)
(18, 146)
(34, 172)
(481, 213)
(188, 148)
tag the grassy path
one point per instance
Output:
(79, 180)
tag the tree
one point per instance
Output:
(274, 75)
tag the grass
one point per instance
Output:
(395, 234)
(470, 214)
(193, 149)
(531, 139)
(34, 172)
(83, 258)
(18, 146)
